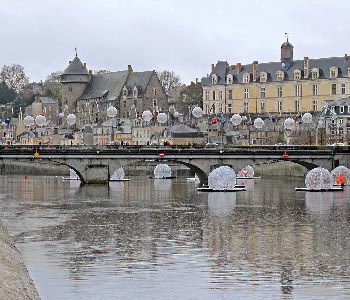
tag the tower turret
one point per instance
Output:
(286, 53)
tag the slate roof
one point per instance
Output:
(140, 79)
(181, 128)
(222, 69)
(108, 85)
(47, 100)
(76, 67)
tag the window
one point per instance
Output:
(214, 79)
(262, 106)
(279, 106)
(230, 94)
(246, 93)
(262, 92)
(70, 88)
(341, 109)
(298, 90)
(343, 91)
(220, 95)
(263, 77)
(297, 75)
(229, 79)
(297, 105)
(279, 75)
(135, 91)
(207, 109)
(213, 95)
(206, 95)
(314, 105)
(246, 77)
(154, 102)
(334, 88)
(245, 107)
(315, 89)
(124, 104)
(279, 92)
(154, 92)
(229, 108)
(315, 72)
(125, 91)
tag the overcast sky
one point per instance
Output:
(180, 35)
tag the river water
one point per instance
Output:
(161, 239)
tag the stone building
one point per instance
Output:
(89, 95)
(285, 86)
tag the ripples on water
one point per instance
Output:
(160, 239)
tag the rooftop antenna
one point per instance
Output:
(286, 34)
(76, 51)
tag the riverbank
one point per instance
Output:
(15, 282)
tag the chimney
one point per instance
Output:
(306, 67)
(69, 62)
(346, 56)
(130, 70)
(255, 70)
(90, 72)
(84, 65)
(212, 66)
(239, 66)
(196, 80)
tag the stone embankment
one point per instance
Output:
(15, 282)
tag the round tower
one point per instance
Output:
(74, 80)
(287, 51)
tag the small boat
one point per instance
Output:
(244, 177)
(118, 175)
(332, 189)
(164, 177)
(72, 176)
(195, 178)
(208, 189)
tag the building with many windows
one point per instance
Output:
(285, 86)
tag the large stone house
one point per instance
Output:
(89, 95)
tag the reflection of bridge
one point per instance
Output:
(97, 164)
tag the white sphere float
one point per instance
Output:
(244, 118)
(111, 111)
(28, 121)
(258, 123)
(341, 175)
(40, 120)
(172, 109)
(61, 115)
(307, 118)
(247, 171)
(176, 114)
(197, 112)
(118, 174)
(289, 123)
(147, 115)
(162, 171)
(162, 118)
(222, 178)
(318, 179)
(236, 119)
(71, 119)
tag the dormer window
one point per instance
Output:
(214, 79)
(297, 74)
(246, 78)
(348, 72)
(263, 77)
(315, 73)
(333, 72)
(135, 92)
(125, 91)
(229, 79)
(279, 75)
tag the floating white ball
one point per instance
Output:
(318, 179)
(162, 118)
(197, 112)
(71, 119)
(28, 121)
(111, 111)
(147, 116)
(162, 171)
(258, 123)
(222, 178)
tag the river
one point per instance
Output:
(161, 239)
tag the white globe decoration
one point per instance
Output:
(162, 118)
(71, 119)
(197, 112)
(341, 172)
(61, 115)
(247, 171)
(40, 120)
(289, 123)
(236, 119)
(318, 179)
(307, 118)
(111, 111)
(28, 121)
(222, 178)
(162, 171)
(147, 116)
(258, 123)
(118, 174)
(244, 118)
(176, 114)
(172, 109)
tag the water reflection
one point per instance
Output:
(163, 240)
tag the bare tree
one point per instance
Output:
(54, 76)
(169, 80)
(98, 72)
(14, 77)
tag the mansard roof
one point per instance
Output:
(108, 85)
(324, 65)
(76, 67)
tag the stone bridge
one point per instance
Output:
(95, 164)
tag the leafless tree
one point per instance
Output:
(14, 77)
(169, 80)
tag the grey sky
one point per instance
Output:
(180, 35)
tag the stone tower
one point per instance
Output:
(74, 80)
(286, 54)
